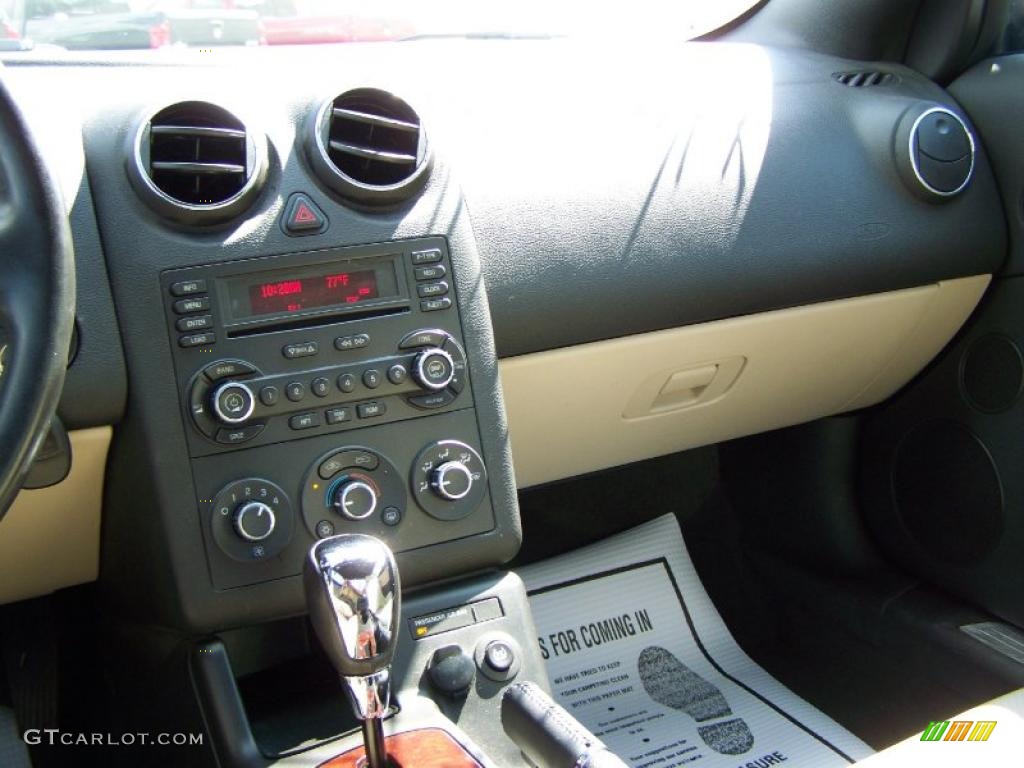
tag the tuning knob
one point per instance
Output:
(233, 403)
(254, 521)
(433, 369)
(452, 481)
(355, 499)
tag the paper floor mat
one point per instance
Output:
(637, 652)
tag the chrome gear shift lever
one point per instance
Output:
(354, 596)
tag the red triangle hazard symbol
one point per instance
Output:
(304, 214)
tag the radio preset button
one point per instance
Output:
(371, 410)
(194, 323)
(295, 391)
(371, 378)
(347, 382)
(320, 387)
(188, 287)
(424, 338)
(197, 340)
(397, 374)
(269, 395)
(338, 414)
(233, 402)
(240, 435)
(433, 305)
(435, 272)
(191, 306)
(440, 288)
(305, 349)
(431, 256)
(304, 420)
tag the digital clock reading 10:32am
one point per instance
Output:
(311, 292)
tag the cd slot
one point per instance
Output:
(313, 321)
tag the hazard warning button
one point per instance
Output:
(302, 217)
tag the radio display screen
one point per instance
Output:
(334, 285)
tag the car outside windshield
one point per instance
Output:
(154, 24)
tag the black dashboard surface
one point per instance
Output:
(609, 192)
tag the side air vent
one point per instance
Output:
(370, 147)
(197, 163)
(865, 78)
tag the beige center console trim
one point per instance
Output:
(50, 538)
(599, 405)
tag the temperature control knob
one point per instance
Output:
(254, 521)
(433, 369)
(452, 481)
(355, 499)
(233, 402)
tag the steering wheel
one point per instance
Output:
(37, 298)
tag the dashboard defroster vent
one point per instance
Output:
(197, 163)
(864, 79)
(370, 147)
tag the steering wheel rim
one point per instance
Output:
(37, 297)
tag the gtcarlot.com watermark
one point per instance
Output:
(55, 736)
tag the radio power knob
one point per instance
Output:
(355, 500)
(452, 481)
(433, 369)
(254, 521)
(233, 403)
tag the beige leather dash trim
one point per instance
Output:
(599, 405)
(50, 538)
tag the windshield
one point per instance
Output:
(152, 24)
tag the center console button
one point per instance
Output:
(233, 402)
(371, 410)
(194, 323)
(321, 387)
(499, 656)
(338, 414)
(304, 420)
(397, 374)
(269, 395)
(225, 369)
(295, 391)
(433, 305)
(425, 338)
(371, 378)
(188, 287)
(433, 400)
(191, 306)
(305, 349)
(434, 272)
(347, 382)
(197, 339)
(426, 290)
(391, 516)
(240, 435)
(430, 256)
(361, 341)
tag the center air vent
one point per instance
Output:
(864, 79)
(369, 146)
(197, 163)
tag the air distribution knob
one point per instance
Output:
(452, 481)
(355, 499)
(254, 521)
(433, 369)
(233, 403)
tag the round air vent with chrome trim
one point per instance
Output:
(935, 151)
(370, 147)
(197, 163)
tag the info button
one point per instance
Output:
(305, 349)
